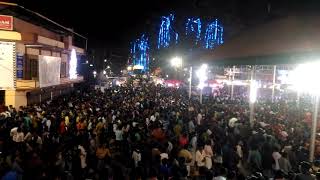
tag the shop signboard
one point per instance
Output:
(6, 22)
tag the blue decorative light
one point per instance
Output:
(193, 27)
(166, 31)
(177, 38)
(140, 53)
(214, 35)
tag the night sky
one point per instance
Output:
(121, 19)
(125, 20)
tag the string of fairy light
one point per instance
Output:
(166, 32)
(208, 35)
(214, 35)
(193, 27)
(140, 52)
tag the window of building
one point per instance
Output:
(63, 69)
(31, 67)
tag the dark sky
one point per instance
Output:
(105, 22)
(123, 20)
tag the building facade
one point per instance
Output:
(34, 62)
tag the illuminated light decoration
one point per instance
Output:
(253, 91)
(177, 38)
(129, 68)
(176, 62)
(73, 65)
(193, 28)
(166, 32)
(138, 67)
(140, 53)
(202, 75)
(305, 78)
(213, 35)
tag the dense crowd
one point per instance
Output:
(152, 132)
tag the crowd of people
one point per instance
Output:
(152, 132)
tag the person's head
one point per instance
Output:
(164, 161)
(153, 173)
(185, 146)
(181, 160)
(59, 155)
(231, 175)
(305, 167)
(284, 154)
(200, 148)
(279, 175)
(208, 142)
(202, 171)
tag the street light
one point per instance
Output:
(105, 60)
(190, 82)
(176, 62)
(253, 91)
(94, 73)
(202, 75)
(104, 72)
(305, 79)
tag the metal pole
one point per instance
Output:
(229, 78)
(274, 81)
(86, 45)
(298, 99)
(251, 104)
(232, 90)
(201, 96)
(190, 82)
(314, 129)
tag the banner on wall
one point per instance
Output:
(7, 65)
(20, 59)
(49, 71)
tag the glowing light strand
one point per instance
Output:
(193, 27)
(73, 65)
(213, 35)
(166, 32)
(140, 53)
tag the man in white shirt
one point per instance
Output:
(169, 147)
(17, 134)
(48, 124)
(119, 132)
(136, 156)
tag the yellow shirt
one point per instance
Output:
(66, 121)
